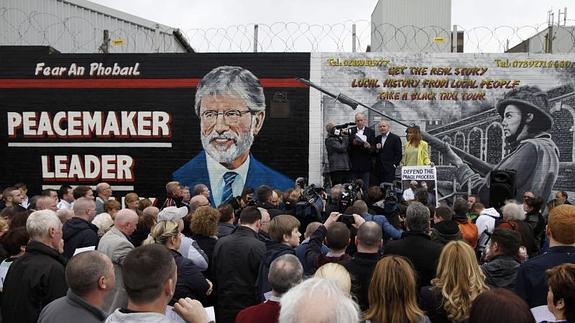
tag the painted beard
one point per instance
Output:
(226, 155)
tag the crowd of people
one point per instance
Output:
(78, 254)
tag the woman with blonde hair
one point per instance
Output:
(458, 282)
(337, 274)
(392, 293)
(190, 282)
(416, 150)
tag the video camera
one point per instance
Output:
(341, 129)
(310, 205)
(392, 193)
(350, 193)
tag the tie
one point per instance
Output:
(229, 178)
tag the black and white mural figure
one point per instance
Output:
(526, 122)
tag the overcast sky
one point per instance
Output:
(187, 14)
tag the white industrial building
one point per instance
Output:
(411, 26)
(80, 26)
(554, 40)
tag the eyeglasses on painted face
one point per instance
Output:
(230, 116)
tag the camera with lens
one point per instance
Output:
(342, 129)
(310, 205)
(351, 192)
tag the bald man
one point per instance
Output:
(368, 241)
(79, 232)
(90, 276)
(46, 203)
(115, 244)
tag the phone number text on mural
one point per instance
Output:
(532, 63)
(376, 62)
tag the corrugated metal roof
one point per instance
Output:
(77, 26)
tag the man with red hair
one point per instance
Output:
(531, 284)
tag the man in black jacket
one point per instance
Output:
(501, 267)
(361, 142)
(91, 277)
(236, 260)
(368, 241)
(444, 228)
(388, 152)
(416, 245)
(79, 232)
(284, 237)
(36, 278)
(264, 196)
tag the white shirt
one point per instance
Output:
(216, 172)
(63, 204)
(25, 202)
(383, 139)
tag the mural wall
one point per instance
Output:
(132, 120)
(462, 100)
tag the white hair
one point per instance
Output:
(513, 211)
(317, 300)
(40, 222)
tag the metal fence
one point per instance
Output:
(80, 35)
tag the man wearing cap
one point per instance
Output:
(226, 165)
(533, 155)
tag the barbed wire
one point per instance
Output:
(78, 34)
(304, 37)
(82, 35)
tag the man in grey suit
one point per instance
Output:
(115, 244)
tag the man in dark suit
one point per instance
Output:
(388, 152)
(226, 165)
(416, 245)
(362, 140)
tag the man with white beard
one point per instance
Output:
(230, 103)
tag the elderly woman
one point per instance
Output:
(204, 227)
(513, 219)
(336, 273)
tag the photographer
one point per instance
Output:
(337, 237)
(336, 144)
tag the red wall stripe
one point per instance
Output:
(127, 83)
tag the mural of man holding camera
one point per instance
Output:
(230, 103)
